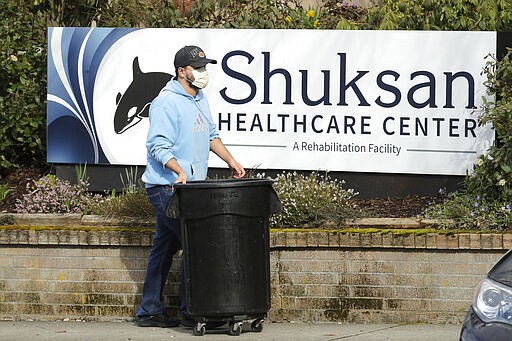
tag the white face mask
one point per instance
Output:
(200, 77)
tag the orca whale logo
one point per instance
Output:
(133, 105)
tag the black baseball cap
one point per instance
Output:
(193, 56)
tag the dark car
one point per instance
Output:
(490, 315)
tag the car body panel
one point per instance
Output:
(473, 328)
(502, 271)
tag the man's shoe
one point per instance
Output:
(158, 321)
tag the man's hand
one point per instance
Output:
(182, 178)
(173, 165)
(237, 170)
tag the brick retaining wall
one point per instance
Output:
(396, 276)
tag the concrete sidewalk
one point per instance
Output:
(73, 330)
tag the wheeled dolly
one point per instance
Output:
(234, 327)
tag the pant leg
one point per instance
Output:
(166, 242)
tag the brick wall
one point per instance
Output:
(97, 273)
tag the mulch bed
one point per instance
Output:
(406, 207)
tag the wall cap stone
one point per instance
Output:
(68, 219)
(383, 233)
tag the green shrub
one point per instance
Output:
(448, 15)
(463, 210)
(492, 174)
(264, 14)
(69, 13)
(342, 15)
(128, 13)
(485, 203)
(311, 200)
(4, 190)
(132, 202)
(22, 86)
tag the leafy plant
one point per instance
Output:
(50, 194)
(132, 203)
(342, 15)
(265, 14)
(4, 190)
(464, 210)
(307, 19)
(485, 203)
(310, 200)
(131, 181)
(23, 85)
(69, 13)
(127, 13)
(454, 15)
(81, 174)
(492, 173)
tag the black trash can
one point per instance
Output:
(225, 237)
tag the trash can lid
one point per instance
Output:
(223, 183)
(245, 197)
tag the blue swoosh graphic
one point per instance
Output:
(74, 57)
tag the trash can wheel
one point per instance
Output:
(257, 325)
(235, 328)
(199, 329)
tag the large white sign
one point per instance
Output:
(363, 101)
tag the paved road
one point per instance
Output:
(112, 331)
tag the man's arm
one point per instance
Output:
(173, 165)
(221, 151)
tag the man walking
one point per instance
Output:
(180, 137)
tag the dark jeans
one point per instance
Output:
(166, 242)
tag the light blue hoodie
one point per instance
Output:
(181, 127)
